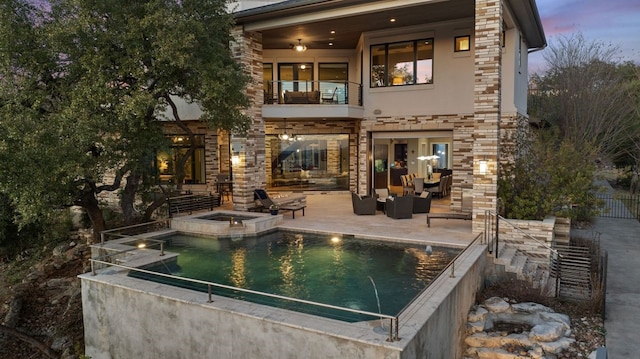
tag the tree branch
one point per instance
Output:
(35, 343)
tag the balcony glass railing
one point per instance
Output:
(313, 92)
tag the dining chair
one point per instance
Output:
(418, 185)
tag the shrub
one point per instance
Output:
(546, 177)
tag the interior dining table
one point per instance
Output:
(431, 183)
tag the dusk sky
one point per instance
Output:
(611, 21)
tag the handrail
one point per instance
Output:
(555, 258)
(109, 231)
(392, 319)
(313, 92)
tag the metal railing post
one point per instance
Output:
(397, 325)
(209, 291)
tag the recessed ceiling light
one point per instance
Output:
(331, 44)
(333, 31)
(393, 19)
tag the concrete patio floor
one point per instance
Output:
(334, 213)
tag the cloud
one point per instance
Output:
(614, 22)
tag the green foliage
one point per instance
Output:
(18, 235)
(85, 86)
(547, 176)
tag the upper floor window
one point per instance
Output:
(402, 63)
(462, 43)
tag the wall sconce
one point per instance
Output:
(235, 160)
(484, 167)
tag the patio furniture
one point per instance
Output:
(301, 97)
(399, 207)
(330, 99)
(266, 202)
(363, 205)
(466, 212)
(422, 203)
(224, 186)
(381, 197)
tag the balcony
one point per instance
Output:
(309, 99)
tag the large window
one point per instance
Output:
(311, 162)
(333, 82)
(402, 63)
(267, 82)
(296, 77)
(166, 161)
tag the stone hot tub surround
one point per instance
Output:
(549, 333)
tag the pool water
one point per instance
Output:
(321, 268)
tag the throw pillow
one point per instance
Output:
(424, 194)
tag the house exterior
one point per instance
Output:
(347, 95)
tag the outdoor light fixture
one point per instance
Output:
(235, 159)
(284, 136)
(299, 47)
(484, 166)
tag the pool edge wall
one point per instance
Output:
(441, 311)
(128, 317)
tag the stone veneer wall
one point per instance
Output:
(210, 145)
(249, 173)
(487, 107)
(544, 231)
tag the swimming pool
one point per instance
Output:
(338, 270)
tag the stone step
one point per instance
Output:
(517, 265)
(506, 256)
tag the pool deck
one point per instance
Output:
(334, 213)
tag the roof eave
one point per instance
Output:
(527, 16)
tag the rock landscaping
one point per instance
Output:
(500, 330)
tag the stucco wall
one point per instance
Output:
(131, 323)
(446, 309)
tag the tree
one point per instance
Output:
(585, 93)
(83, 88)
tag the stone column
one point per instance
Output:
(487, 107)
(249, 171)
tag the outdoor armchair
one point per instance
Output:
(363, 204)
(399, 207)
(422, 203)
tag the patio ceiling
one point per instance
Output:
(312, 21)
(348, 25)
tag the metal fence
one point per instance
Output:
(624, 206)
